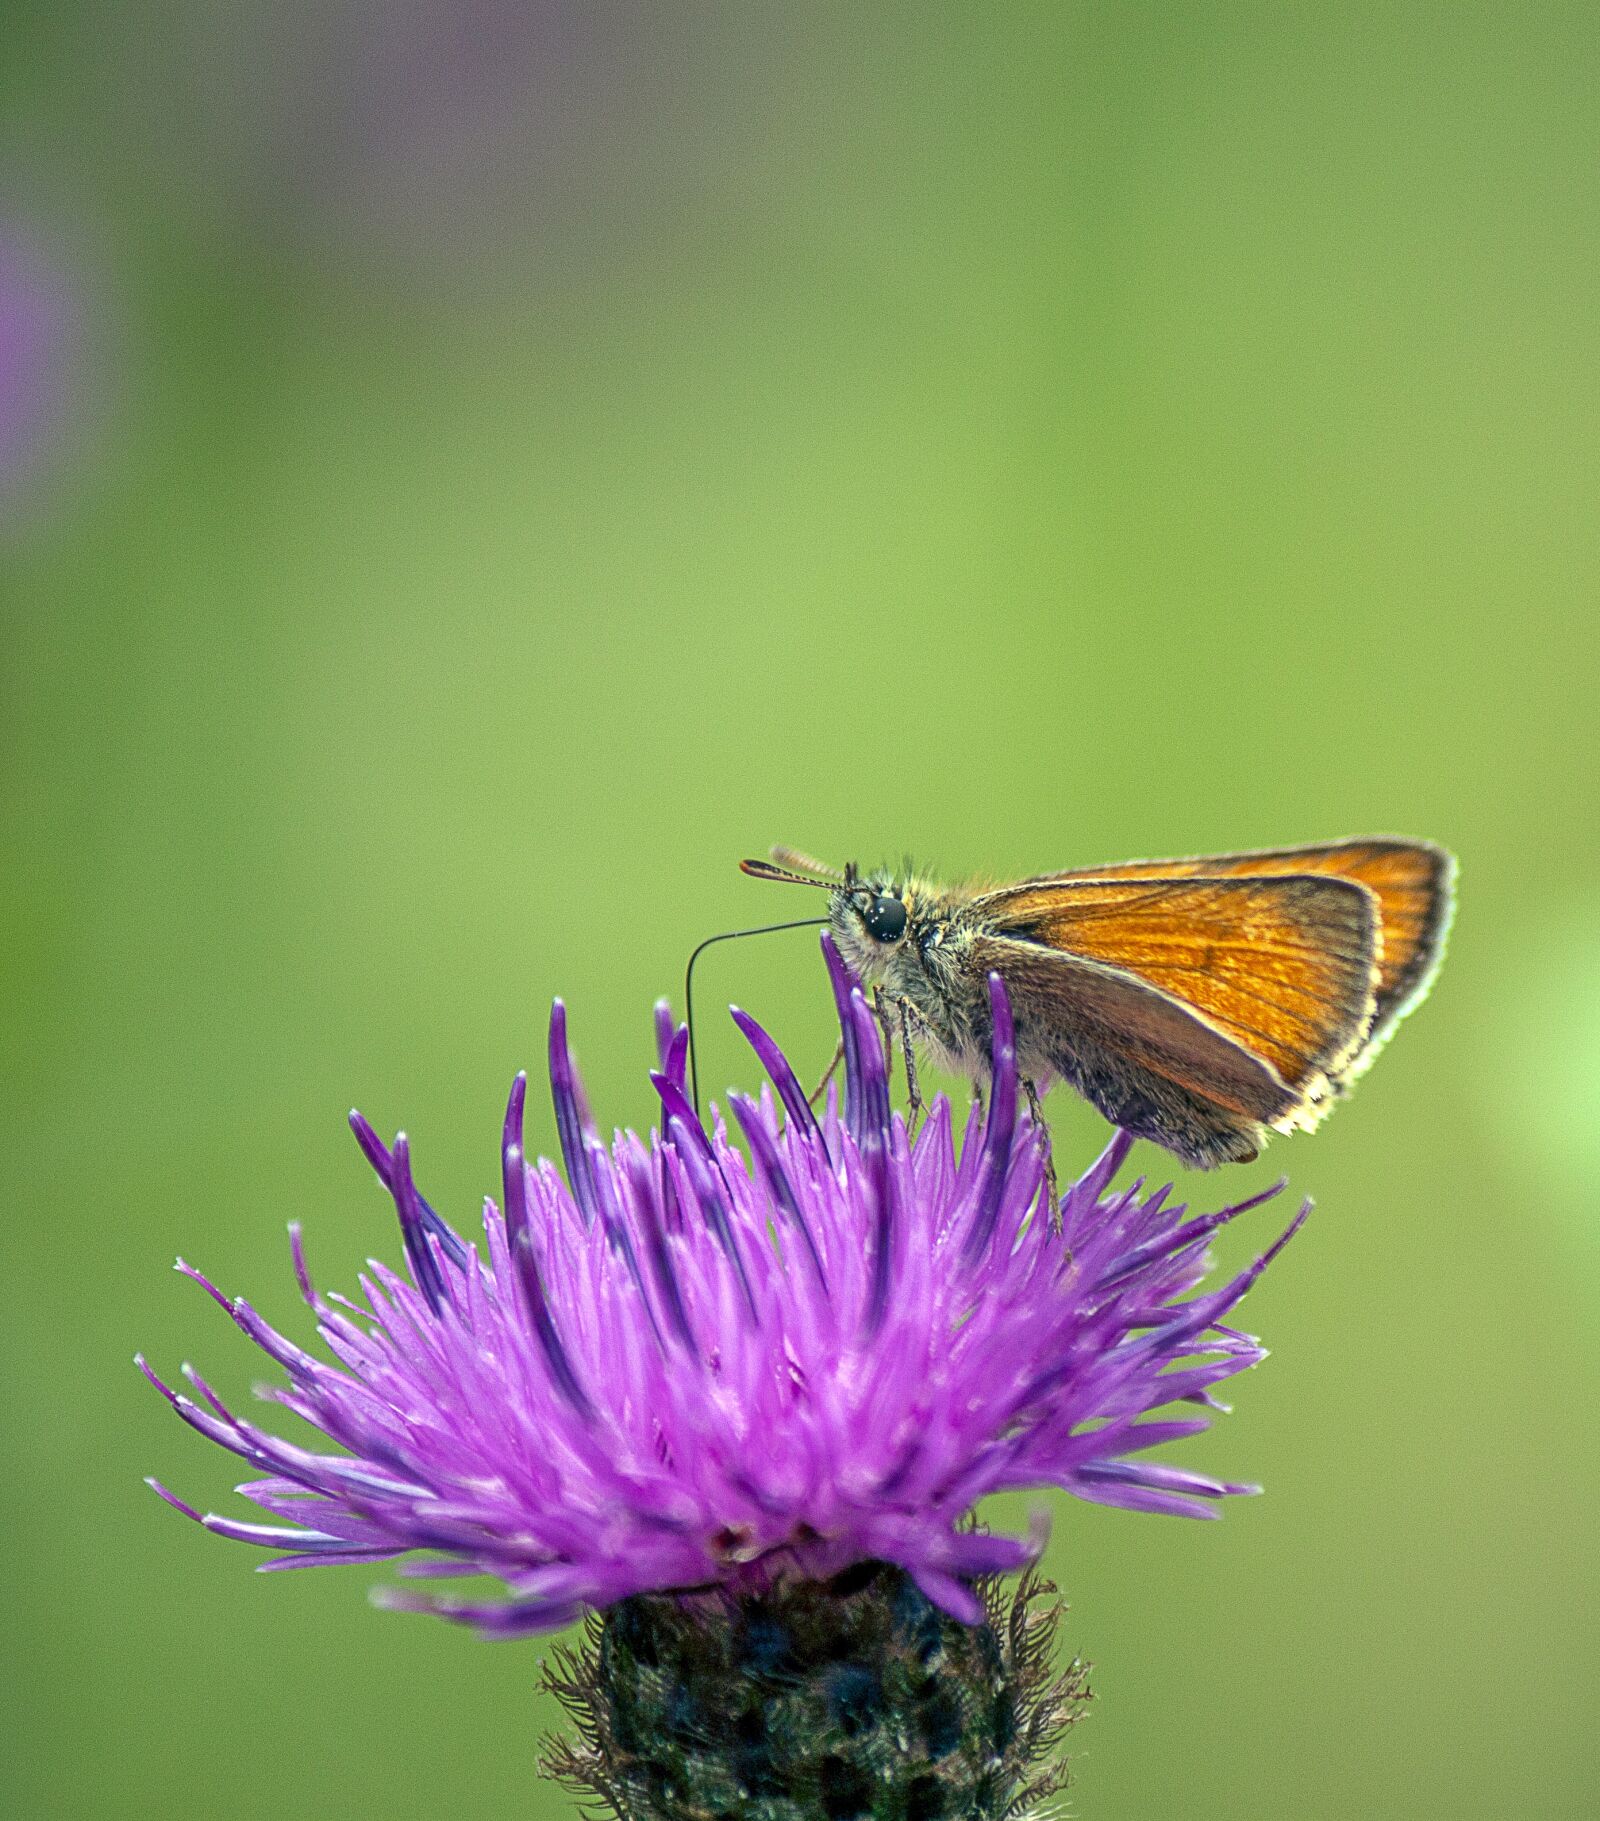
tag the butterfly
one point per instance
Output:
(1198, 1003)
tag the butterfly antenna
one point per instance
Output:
(764, 869)
(731, 935)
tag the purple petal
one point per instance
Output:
(383, 1166)
(1000, 1131)
(782, 1077)
(703, 1169)
(425, 1272)
(569, 1115)
(843, 986)
(765, 1154)
(566, 1380)
(666, 1031)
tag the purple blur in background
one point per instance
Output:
(37, 336)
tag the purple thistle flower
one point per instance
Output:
(683, 1367)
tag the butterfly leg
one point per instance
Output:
(914, 1104)
(822, 1086)
(1036, 1113)
(880, 1007)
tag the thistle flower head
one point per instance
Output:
(686, 1365)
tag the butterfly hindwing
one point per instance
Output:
(1112, 1010)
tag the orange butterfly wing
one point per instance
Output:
(1283, 967)
(1414, 882)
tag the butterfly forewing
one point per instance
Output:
(1282, 967)
(1412, 881)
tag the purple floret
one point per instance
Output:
(680, 1365)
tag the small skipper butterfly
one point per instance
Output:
(1198, 1003)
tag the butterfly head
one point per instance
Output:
(871, 915)
(871, 918)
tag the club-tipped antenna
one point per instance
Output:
(730, 935)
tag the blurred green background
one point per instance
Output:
(474, 472)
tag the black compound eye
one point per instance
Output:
(885, 919)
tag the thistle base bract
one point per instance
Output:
(817, 1701)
